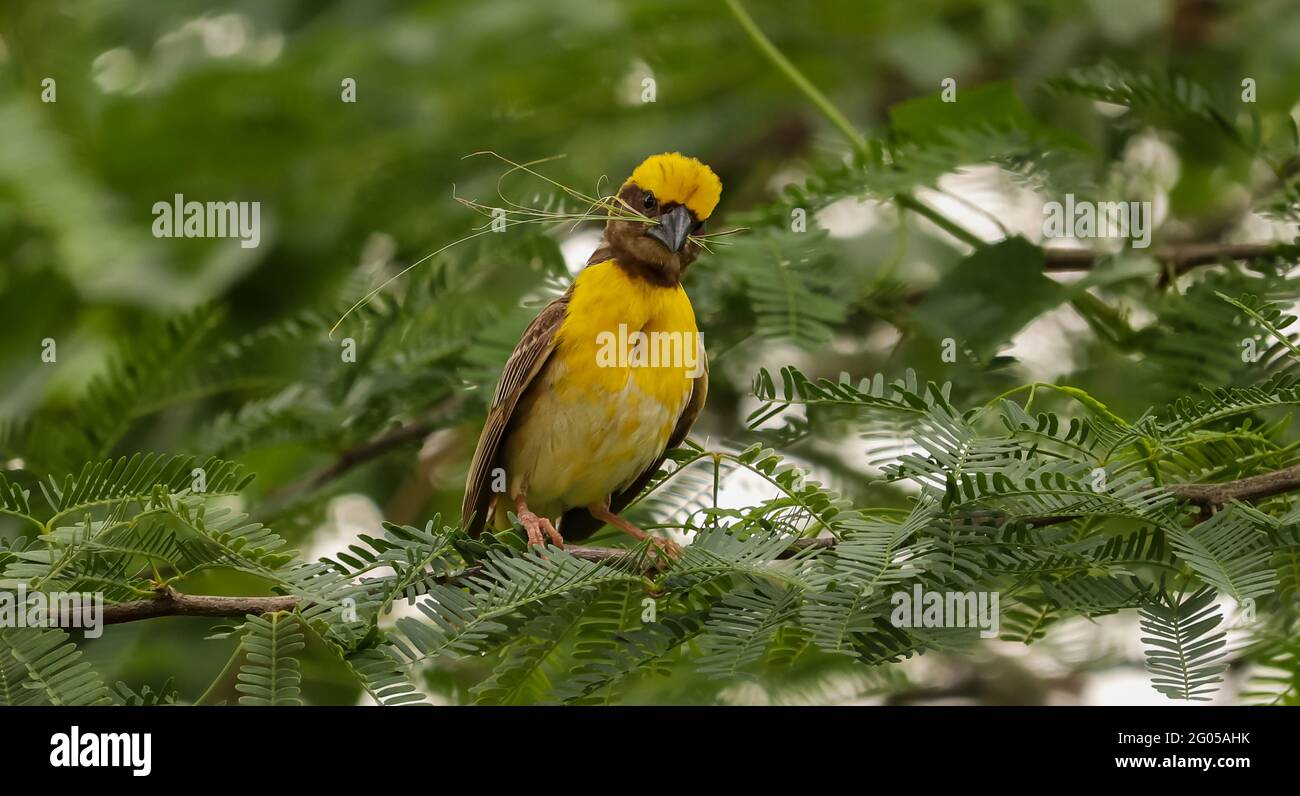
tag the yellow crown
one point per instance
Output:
(673, 177)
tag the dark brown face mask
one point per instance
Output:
(658, 252)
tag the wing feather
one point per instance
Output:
(526, 361)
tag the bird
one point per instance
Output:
(607, 378)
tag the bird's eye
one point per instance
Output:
(649, 201)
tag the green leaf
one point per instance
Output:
(989, 296)
(270, 673)
(1184, 653)
(44, 667)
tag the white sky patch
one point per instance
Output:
(1148, 157)
(1109, 109)
(882, 338)
(115, 70)
(870, 456)
(850, 217)
(576, 248)
(226, 35)
(991, 190)
(786, 177)
(845, 344)
(957, 212)
(633, 85)
(1132, 686)
(1148, 169)
(1049, 347)
(267, 48)
(201, 39)
(1071, 243)
(1127, 686)
(740, 488)
(346, 517)
(1256, 228)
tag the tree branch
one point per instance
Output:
(1180, 258)
(1253, 488)
(371, 449)
(173, 603)
(376, 447)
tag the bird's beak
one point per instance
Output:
(673, 229)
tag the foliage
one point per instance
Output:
(946, 463)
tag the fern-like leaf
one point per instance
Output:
(1184, 653)
(270, 673)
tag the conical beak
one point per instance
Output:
(674, 228)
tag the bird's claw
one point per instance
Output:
(539, 530)
(666, 550)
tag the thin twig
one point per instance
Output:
(778, 59)
(910, 202)
(374, 448)
(173, 603)
(1180, 258)
(1253, 488)
(833, 114)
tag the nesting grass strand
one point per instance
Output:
(512, 213)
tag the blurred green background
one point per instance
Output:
(242, 100)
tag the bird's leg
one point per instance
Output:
(601, 512)
(535, 526)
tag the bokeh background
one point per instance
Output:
(242, 101)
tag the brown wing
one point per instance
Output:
(525, 363)
(578, 524)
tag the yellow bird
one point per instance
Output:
(607, 378)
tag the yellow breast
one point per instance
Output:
(605, 404)
(618, 327)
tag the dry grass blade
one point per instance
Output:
(511, 213)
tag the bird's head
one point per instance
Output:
(678, 194)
